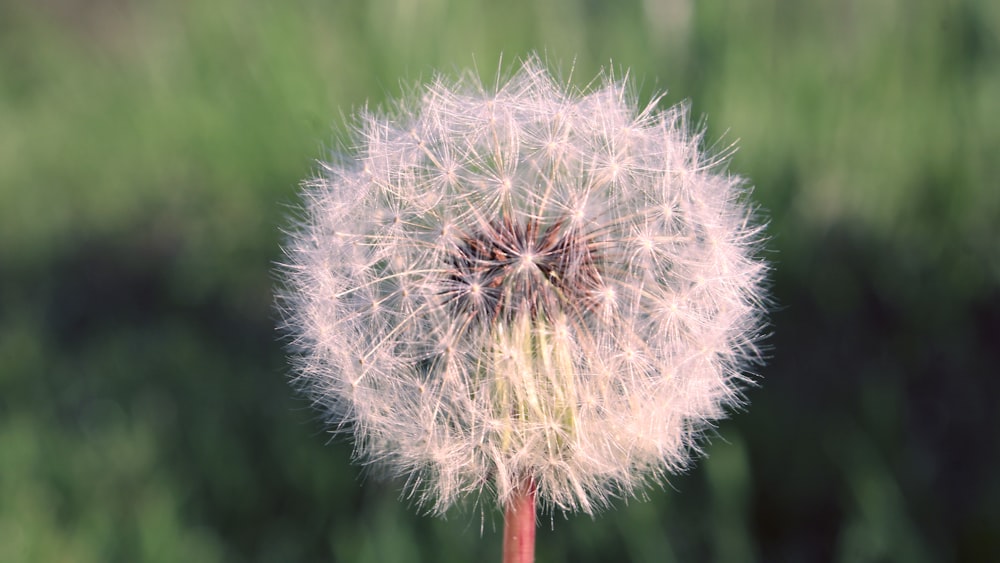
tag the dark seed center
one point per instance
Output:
(509, 267)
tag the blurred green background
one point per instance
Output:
(149, 156)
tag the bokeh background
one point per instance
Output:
(150, 154)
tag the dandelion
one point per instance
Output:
(534, 292)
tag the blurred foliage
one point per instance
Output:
(149, 153)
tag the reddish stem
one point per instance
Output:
(519, 525)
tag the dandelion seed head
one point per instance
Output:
(525, 281)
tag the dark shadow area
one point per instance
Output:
(875, 417)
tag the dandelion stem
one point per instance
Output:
(519, 525)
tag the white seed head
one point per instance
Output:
(525, 282)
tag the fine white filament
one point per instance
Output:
(525, 281)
